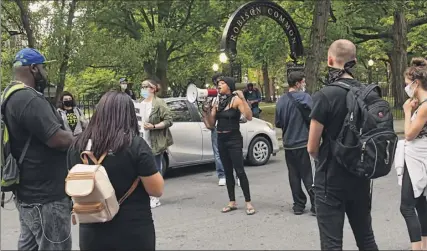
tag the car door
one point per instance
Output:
(208, 154)
(186, 133)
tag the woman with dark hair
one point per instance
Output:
(113, 129)
(413, 204)
(74, 119)
(226, 115)
(155, 118)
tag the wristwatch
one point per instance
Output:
(154, 126)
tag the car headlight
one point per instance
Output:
(270, 125)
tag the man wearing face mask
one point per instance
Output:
(292, 116)
(337, 191)
(126, 87)
(34, 125)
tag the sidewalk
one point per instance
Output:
(399, 126)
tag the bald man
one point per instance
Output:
(337, 192)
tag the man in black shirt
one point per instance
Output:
(44, 208)
(337, 192)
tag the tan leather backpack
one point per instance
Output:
(93, 195)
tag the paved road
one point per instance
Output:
(190, 216)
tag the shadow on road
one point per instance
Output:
(208, 169)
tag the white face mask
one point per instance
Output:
(302, 89)
(410, 91)
(123, 86)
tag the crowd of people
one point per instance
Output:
(131, 137)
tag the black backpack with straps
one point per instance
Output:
(367, 142)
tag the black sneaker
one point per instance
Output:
(313, 211)
(298, 211)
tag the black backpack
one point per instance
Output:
(304, 109)
(367, 142)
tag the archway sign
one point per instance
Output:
(255, 9)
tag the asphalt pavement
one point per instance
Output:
(190, 216)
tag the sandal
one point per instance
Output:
(228, 209)
(250, 211)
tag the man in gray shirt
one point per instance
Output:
(292, 116)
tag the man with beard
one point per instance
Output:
(337, 191)
(34, 125)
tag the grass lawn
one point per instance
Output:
(268, 110)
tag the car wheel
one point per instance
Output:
(259, 151)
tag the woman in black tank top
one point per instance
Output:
(226, 115)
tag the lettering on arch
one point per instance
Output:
(255, 9)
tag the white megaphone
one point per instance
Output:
(196, 94)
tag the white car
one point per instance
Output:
(193, 144)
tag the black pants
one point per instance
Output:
(230, 151)
(414, 210)
(299, 169)
(331, 208)
(105, 236)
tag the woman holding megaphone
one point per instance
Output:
(225, 113)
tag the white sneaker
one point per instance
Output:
(221, 182)
(237, 181)
(154, 202)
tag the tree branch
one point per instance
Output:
(12, 17)
(103, 66)
(149, 24)
(200, 54)
(26, 23)
(389, 33)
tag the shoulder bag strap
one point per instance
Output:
(299, 107)
(24, 151)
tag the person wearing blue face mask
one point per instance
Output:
(154, 119)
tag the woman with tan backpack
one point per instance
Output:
(108, 160)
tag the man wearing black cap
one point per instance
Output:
(33, 124)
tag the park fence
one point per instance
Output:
(87, 105)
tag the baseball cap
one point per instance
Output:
(29, 56)
(123, 80)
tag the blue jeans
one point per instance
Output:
(159, 162)
(45, 226)
(255, 112)
(218, 164)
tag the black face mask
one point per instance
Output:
(67, 103)
(334, 73)
(40, 81)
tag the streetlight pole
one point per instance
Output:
(370, 64)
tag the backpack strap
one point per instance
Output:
(8, 92)
(85, 154)
(130, 191)
(299, 107)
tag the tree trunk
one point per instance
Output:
(66, 52)
(266, 81)
(25, 18)
(161, 67)
(315, 54)
(399, 59)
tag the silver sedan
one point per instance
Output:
(193, 144)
